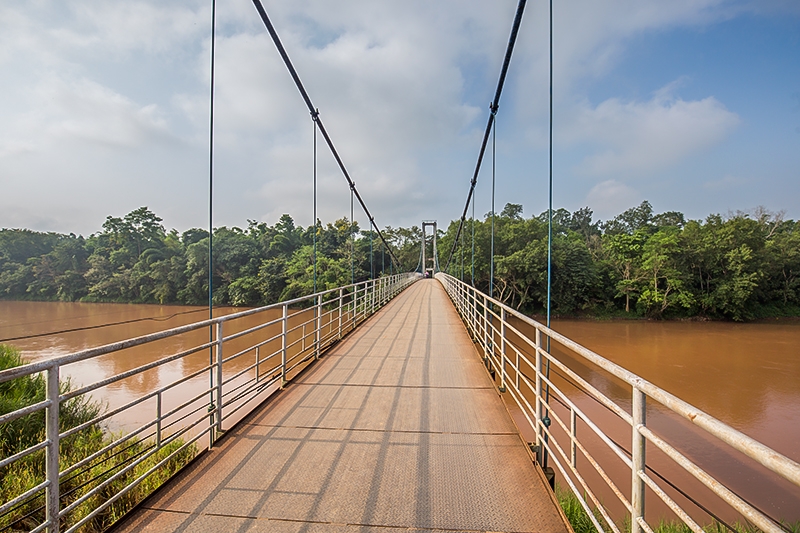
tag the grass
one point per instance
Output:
(26, 473)
(581, 523)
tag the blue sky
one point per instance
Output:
(693, 105)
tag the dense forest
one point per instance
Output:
(639, 264)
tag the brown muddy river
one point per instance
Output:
(747, 375)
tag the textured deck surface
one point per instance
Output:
(397, 427)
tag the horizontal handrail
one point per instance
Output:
(184, 406)
(487, 319)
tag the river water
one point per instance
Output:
(747, 375)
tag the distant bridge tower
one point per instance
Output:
(434, 268)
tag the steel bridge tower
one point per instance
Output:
(434, 268)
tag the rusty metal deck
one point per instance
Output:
(397, 427)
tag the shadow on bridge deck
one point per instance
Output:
(397, 427)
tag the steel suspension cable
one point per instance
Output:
(211, 207)
(472, 278)
(314, 258)
(491, 252)
(493, 108)
(461, 245)
(549, 227)
(352, 242)
(282, 51)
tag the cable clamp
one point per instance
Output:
(493, 109)
(315, 115)
(353, 186)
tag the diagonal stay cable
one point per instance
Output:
(315, 115)
(492, 112)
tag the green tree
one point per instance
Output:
(662, 282)
(624, 253)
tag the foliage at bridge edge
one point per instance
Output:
(26, 473)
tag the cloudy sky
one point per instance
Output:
(693, 105)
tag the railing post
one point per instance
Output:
(639, 416)
(539, 402)
(341, 309)
(283, 345)
(318, 324)
(502, 349)
(258, 361)
(158, 420)
(52, 505)
(219, 377)
(354, 304)
(486, 341)
(573, 430)
(474, 314)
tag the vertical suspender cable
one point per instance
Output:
(352, 242)
(371, 257)
(211, 205)
(491, 252)
(314, 258)
(550, 204)
(549, 222)
(472, 275)
(462, 258)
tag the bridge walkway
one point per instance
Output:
(396, 427)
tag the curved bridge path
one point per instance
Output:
(397, 427)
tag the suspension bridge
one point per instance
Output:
(395, 403)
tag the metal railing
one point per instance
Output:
(522, 363)
(265, 356)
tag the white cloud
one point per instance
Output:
(94, 88)
(643, 138)
(82, 110)
(611, 197)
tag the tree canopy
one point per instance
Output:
(640, 263)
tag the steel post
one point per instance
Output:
(539, 402)
(158, 420)
(341, 310)
(219, 377)
(573, 431)
(284, 329)
(258, 362)
(354, 304)
(502, 349)
(318, 324)
(639, 416)
(486, 341)
(52, 505)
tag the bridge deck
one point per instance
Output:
(397, 427)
